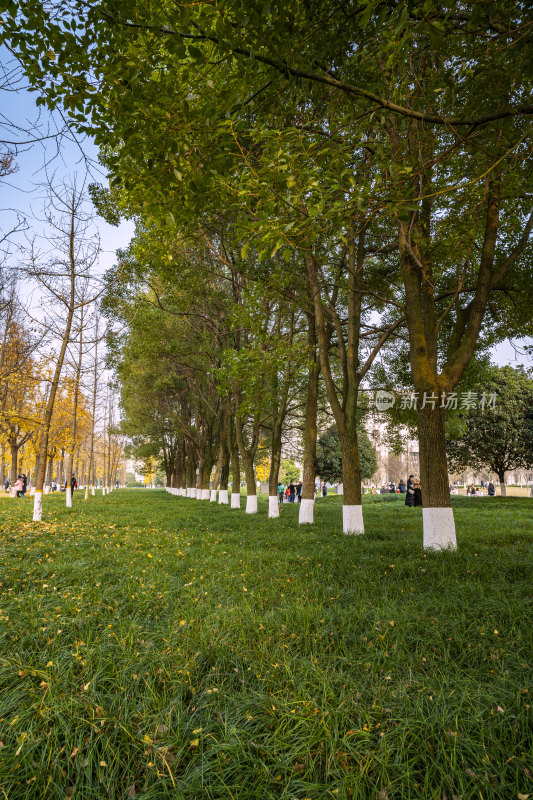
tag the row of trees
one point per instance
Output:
(355, 175)
(52, 408)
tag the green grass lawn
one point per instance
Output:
(161, 647)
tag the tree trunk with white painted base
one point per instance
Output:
(275, 462)
(247, 451)
(439, 526)
(37, 506)
(306, 515)
(307, 504)
(251, 504)
(68, 497)
(352, 509)
(223, 497)
(273, 506)
(235, 472)
(213, 496)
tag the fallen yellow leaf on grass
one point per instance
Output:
(194, 743)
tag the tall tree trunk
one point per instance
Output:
(275, 463)
(14, 466)
(235, 470)
(191, 473)
(182, 475)
(310, 427)
(247, 454)
(344, 408)
(248, 464)
(72, 447)
(501, 478)
(225, 444)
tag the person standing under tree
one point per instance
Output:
(410, 493)
(73, 483)
(417, 492)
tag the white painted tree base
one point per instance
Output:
(439, 529)
(86, 492)
(32, 491)
(38, 507)
(251, 504)
(183, 492)
(307, 508)
(213, 497)
(12, 492)
(206, 493)
(352, 520)
(235, 499)
(46, 490)
(273, 506)
(93, 491)
(68, 497)
(223, 498)
(194, 494)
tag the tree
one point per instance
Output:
(498, 432)
(64, 275)
(288, 471)
(329, 455)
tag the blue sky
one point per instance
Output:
(22, 192)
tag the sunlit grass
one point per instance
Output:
(158, 647)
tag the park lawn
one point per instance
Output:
(162, 647)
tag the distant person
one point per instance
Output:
(491, 491)
(19, 486)
(24, 484)
(299, 490)
(401, 486)
(324, 489)
(292, 492)
(6, 484)
(417, 492)
(73, 483)
(410, 493)
(392, 487)
(281, 489)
